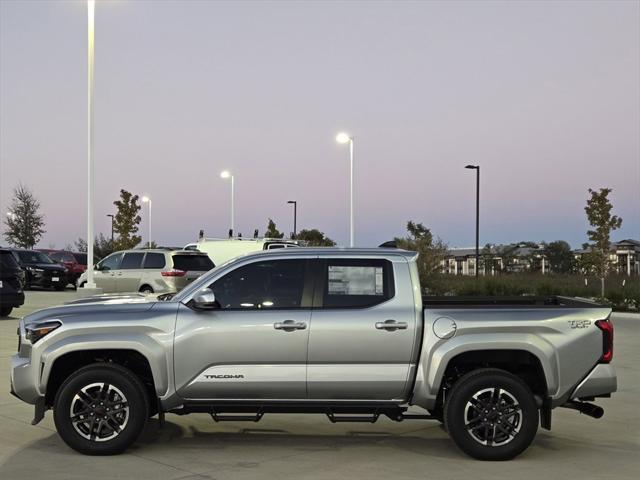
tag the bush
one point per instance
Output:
(619, 296)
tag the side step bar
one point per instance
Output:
(217, 417)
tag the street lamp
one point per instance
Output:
(345, 138)
(146, 199)
(111, 215)
(226, 174)
(90, 177)
(477, 169)
(295, 215)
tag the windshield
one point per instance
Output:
(28, 256)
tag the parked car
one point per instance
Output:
(343, 332)
(11, 280)
(148, 270)
(40, 270)
(74, 262)
(221, 250)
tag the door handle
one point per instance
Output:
(391, 325)
(289, 325)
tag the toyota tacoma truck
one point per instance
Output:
(341, 332)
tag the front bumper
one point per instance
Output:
(602, 380)
(24, 379)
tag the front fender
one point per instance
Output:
(154, 352)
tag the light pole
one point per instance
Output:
(345, 138)
(226, 174)
(146, 199)
(111, 215)
(295, 215)
(477, 169)
(90, 177)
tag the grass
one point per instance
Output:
(621, 292)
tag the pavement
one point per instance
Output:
(309, 447)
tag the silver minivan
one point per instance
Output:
(148, 270)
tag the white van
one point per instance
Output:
(222, 249)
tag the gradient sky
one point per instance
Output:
(545, 96)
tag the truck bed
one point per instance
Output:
(529, 301)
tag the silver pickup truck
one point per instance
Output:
(341, 332)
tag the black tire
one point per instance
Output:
(131, 412)
(5, 311)
(146, 289)
(82, 285)
(59, 288)
(511, 420)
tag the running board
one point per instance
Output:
(350, 418)
(236, 418)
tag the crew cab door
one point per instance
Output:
(363, 330)
(254, 344)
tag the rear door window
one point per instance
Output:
(357, 283)
(7, 261)
(199, 263)
(154, 260)
(132, 261)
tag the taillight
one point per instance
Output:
(607, 340)
(173, 273)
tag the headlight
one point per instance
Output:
(38, 330)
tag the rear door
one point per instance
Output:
(130, 273)
(192, 264)
(363, 330)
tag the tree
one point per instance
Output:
(598, 212)
(272, 231)
(24, 222)
(314, 238)
(102, 246)
(431, 251)
(126, 221)
(80, 245)
(560, 257)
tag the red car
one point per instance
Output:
(76, 263)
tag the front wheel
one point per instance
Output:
(491, 414)
(101, 409)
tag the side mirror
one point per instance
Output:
(205, 300)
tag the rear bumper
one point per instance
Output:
(602, 380)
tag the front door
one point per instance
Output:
(106, 273)
(363, 330)
(254, 345)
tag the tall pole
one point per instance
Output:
(233, 229)
(295, 216)
(351, 232)
(90, 177)
(477, 169)
(477, 220)
(149, 223)
(111, 215)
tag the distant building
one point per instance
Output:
(625, 256)
(518, 258)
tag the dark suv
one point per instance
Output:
(40, 270)
(75, 263)
(11, 279)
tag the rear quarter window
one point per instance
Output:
(200, 263)
(357, 283)
(154, 260)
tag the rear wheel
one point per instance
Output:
(101, 409)
(491, 414)
(146, 289)
(5, 311)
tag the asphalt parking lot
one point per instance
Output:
(309, 447)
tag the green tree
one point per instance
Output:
(102, 246)
(126, 221)
(24, 222)
(598, 212)
(560, 257)
(314, 238)
(431, 251)
(272, 231)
